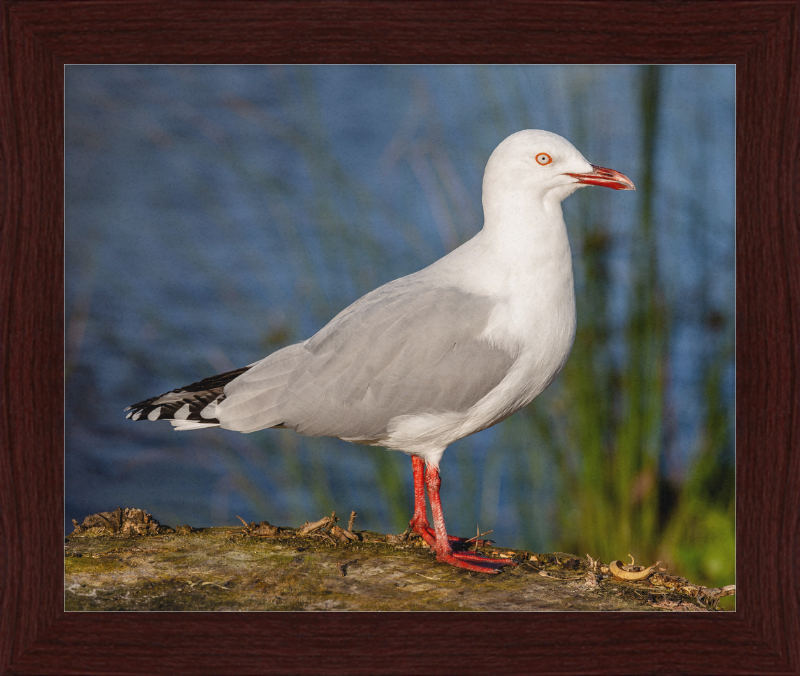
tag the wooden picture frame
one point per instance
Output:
(40, 37)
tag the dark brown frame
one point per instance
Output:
(39, 37)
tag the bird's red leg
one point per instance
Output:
(444, 552)
(419, 522)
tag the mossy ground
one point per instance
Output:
(224, 569)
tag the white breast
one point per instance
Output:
(533, 318)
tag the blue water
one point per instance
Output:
(216, 213)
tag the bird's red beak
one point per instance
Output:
(608, 178)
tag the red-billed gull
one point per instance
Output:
(433, 357)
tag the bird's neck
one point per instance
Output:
(526, 229)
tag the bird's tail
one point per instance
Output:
(182, 406)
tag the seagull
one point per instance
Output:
(435, 356)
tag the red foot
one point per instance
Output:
(444, 551)
(474, 562)
(461, 559)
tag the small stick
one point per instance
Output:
(478, 536)
(350, 523)
(308, 527)
(342, 533)
(332, 519)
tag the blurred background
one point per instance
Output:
(217, 213)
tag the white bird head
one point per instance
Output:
(543, 166)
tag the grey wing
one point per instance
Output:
(400, 350)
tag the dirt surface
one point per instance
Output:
(268, 568)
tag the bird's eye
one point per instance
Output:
(544, 158)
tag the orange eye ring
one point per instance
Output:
(544, 158)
